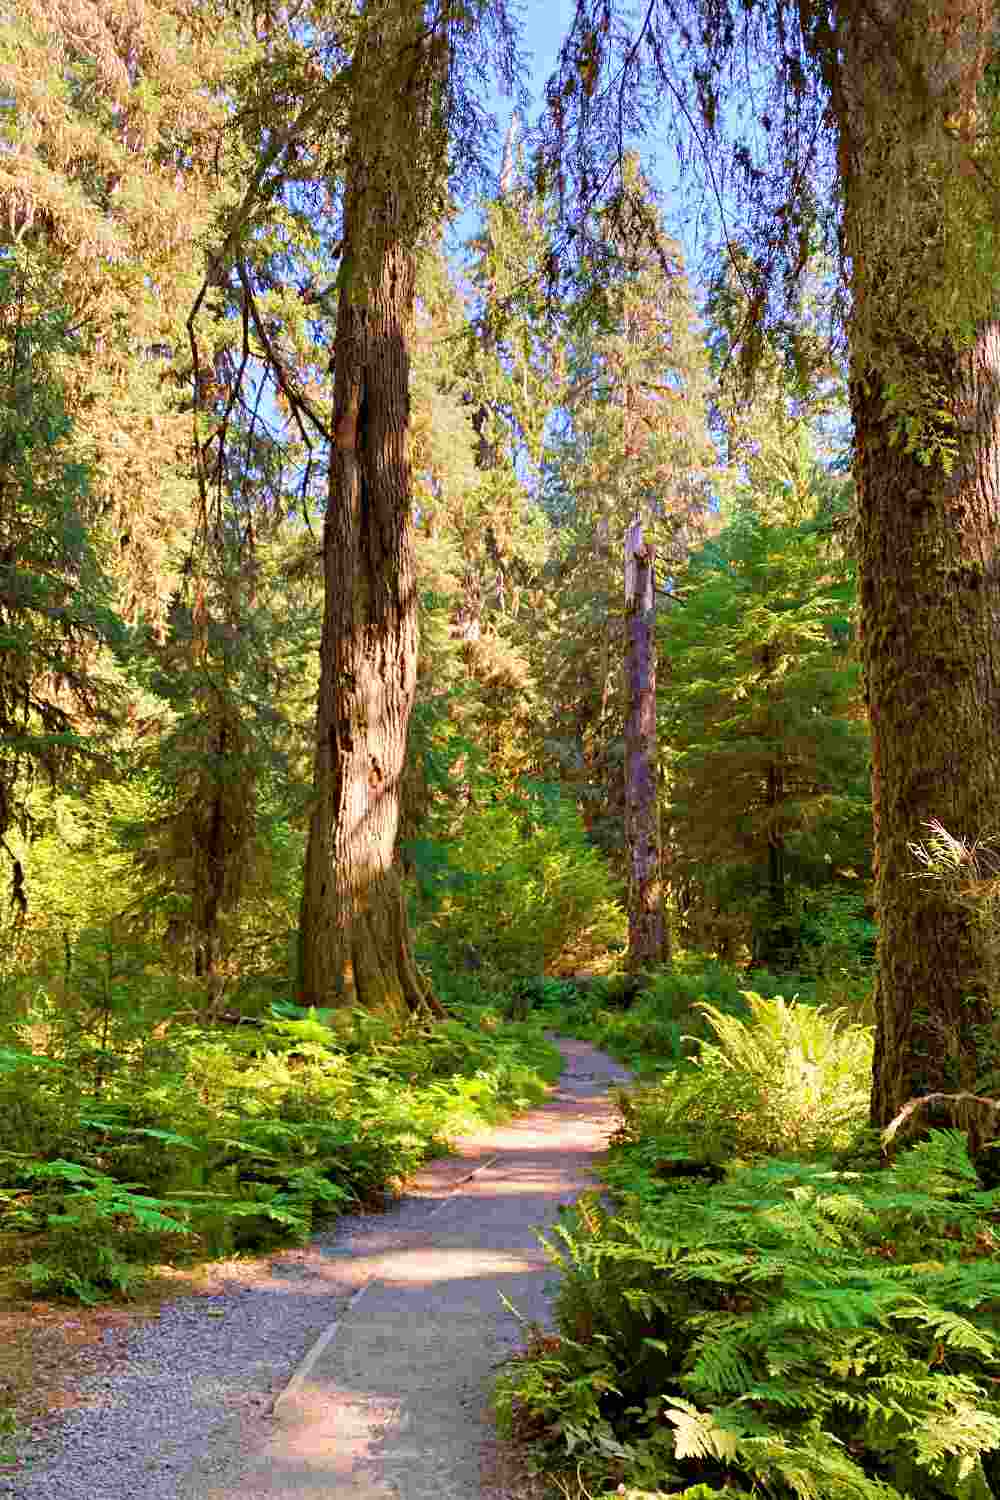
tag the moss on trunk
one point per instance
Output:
(930, 608)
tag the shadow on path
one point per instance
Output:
(392, 1401)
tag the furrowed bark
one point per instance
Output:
(930, 606)
(928, 577)
(354, 946)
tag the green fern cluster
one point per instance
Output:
(236, 1139)
(786, 1079)
(792, 1331)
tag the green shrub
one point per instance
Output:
(536, 897)
(540, 993)
(35, 1113)
(838, 936)
(789, 1078)
(644, 1042)
(659, 1026)
(674, 992)
(99, 1233)
(791, 1331)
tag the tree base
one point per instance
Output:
(367, 964)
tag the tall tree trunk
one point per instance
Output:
(930, 610)
(210, 867)
(648, 935)
(929, 581)
(354, 946)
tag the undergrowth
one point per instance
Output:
(790, 1331)
(770, 1308)
(206, 1141)
(783, 1078)
(654, 1022)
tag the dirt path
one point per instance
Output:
(405, 1331)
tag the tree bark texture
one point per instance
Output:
(930, 624)
(354, 946)
(648, 936)
(930, 613)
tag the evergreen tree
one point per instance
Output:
(226, 773)
(110, 175)
(354, 943)
(769, 762)
(473, 685)
(631, 440)
(513, 375)
(57, 693)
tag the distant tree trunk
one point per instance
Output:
(354, 945)
(774, 940)
(210, 866)
(929, 583)
(775, 847)
(648, 936)
(217, 824)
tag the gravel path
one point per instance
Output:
(202, 1378)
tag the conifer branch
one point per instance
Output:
(298, 404)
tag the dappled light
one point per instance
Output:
(499, 699)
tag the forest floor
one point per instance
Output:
(394, 1321)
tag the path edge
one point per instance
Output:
(305, 1367)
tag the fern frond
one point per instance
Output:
(698, 1433)
(950, 1329)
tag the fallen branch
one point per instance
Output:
(925, 1100)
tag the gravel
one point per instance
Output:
(201, 1378)
(184, 1377)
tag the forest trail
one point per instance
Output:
(394, 1321)
(391, 1400)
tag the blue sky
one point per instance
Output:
(546, 22)
(544, 25)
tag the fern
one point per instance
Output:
(787, 1078)
(816, 1332)
(698, 1434)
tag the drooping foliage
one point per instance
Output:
(110, 175)
(57, 692)
(630, 440)
(229, 693)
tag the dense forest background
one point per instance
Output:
(335, 433)
(162, 601)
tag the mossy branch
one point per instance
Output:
(926, 1101)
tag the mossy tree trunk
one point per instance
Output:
(930, 608)
(928, 487)
(354, 946)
